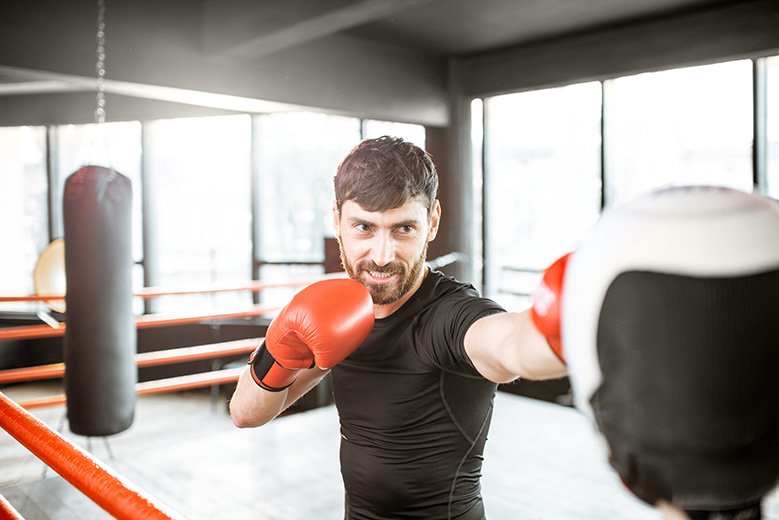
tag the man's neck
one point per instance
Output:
(387, 309)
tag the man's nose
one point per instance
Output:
(383, 250)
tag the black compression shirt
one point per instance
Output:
(414, 412)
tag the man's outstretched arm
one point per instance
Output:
(525, 344)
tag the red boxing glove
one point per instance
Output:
(320, 326)
(547, 302)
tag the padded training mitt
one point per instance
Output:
(671, 328)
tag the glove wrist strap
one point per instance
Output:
(267, 372)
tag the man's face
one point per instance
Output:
(385, 250)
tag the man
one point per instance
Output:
(415, 397)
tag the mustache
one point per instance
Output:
(384, 269)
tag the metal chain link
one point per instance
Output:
(100, 65)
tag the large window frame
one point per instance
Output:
(146, 246)
(542, 188)
(764, 147)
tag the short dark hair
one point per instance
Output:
(385, 172)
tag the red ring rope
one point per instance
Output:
(114, 494)
(7, 511)
(156, 320)
(144, 321)
(142, 360)
(157, 386)
(155, 292)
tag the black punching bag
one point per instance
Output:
(99, 348)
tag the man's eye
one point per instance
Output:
(362, 228)
(406, 229)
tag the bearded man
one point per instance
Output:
(415, 371)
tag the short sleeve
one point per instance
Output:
(440, 329)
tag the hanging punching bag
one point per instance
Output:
(99, 347)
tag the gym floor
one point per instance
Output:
(542, 461)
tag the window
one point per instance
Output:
(199, 175)
(772, 125)
(24, 206)
(542, 180)
(111, 145)
(477, 188)
(676, 127)
(296, 156)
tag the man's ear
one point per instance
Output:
(435, 220)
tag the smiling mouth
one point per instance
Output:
(380, 277)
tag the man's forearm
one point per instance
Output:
(252, 406)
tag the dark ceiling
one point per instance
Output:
(440, 27)
(342, 55)
(460, 27)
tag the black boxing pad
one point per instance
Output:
(670, 323)
(100, 338)
(689, 407)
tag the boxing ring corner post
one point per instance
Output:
(111, 492)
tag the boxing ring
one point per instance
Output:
(155, 358)
(542, 461)
(101, 484)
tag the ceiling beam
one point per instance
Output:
(51, 82)
(229, 34)
(35, 87)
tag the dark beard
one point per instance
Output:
(385, 294)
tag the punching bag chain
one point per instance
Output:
(98, 140)
(100, 64)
